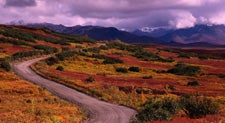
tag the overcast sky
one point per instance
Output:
(128, 14)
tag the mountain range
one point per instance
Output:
(211, 34)
(202, 35)
(98, 33)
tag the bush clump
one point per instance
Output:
(5, 65)
(109, 60)
(222, 76)
(60, 68)
(147, 77)
(51, 61)
(164, 108)
(183, 69)
(122, 70)
(184, 55)
(203, 57)
(11, 41)
(197, 107)
(158, 109)
(22, 54)
(93, 50)
(193, 83)
(47, 49)
(65, 55)
(134, 69)
(147, 56)
(171, 87)
(90, 79)
(22, 35)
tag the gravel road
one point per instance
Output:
(100, 111)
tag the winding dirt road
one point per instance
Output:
(100, 111)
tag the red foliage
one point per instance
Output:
(48, 44)
(118, 81)
(13, 49)
(129, 60)
(215, 67)
(208, 119)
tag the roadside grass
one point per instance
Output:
(94, 66)
(107, 93)
(21, 101)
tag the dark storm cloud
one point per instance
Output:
(129, 14)
(20, 3)
(129, 8)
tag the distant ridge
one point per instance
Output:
(98, 33)
(199, 35)
(210, 34)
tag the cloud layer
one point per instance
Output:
(20, 3)
(128, 14)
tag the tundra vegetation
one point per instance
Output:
(22, 101)
(160, 83)
(137, 77)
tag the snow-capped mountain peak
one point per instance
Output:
(151, 29)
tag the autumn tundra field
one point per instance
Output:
(164, 84)
(20, 100)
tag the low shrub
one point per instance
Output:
(193, 83)
(99, 56)
(109, 60)
(203, 57)
(93, 50)
(171, 87)
(16, 42)
(197, 107)
(122, 70)
(65, 55)
(147, 56)
(117, 45)
(222, 76)
(183, 69)
(147, 77)
(160, 71)
(5, 65)
(158, 109)
(51, 61)
(143, 90)
(90, 79)
(47, 49)
(20, 55)
(170, 59)
(134, 69)
(184, 55)
(60, 68)
(18, 34)
(103, 47)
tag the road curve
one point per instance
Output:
(100, 111)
